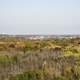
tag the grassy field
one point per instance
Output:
(39, 59)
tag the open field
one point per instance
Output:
(39, 57)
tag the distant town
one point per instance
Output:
(40, 36)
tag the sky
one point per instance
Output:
(40, 16)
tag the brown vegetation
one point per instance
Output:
(46, 59)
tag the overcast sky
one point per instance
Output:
(40, 16)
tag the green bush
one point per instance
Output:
(59, 78)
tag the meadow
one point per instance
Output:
(39, 59)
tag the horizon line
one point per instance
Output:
(35, 34)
